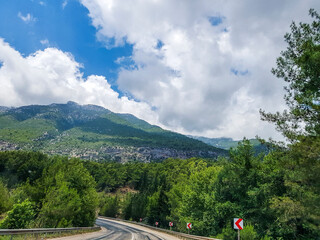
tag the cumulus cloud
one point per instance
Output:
(198, 67)
(28, 18)
(53, 76)
(204, 65)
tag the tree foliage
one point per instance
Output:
(278, 193)
(61, 191)
(110, 206)
(21, 216)
(299, 67)
(5, 200)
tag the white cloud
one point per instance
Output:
(45, 42)
(53, 76)
(204, 79)
(28, 18)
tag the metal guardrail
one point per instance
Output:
(44, 230)
(177, 234)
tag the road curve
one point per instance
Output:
(125, 231)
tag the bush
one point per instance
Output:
(21, 216)
(248, 233)
(228, 233)
(5, 201)
(110, 207)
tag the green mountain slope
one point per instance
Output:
(93, 132)
(227, 143)
(224, 143)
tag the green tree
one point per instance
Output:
(245, 186)
(299, 66)
(193, 199)
(60, 207)
(297, 209)
(294, 204)
(71, 198)
(158, 208)
(240, 176)
(110, 206)
(228, 233)
(248, 233)
(20, 166)
(138, 206)
(21, 216)
(5, 200)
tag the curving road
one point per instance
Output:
(123, 231)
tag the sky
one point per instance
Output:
(195, 67)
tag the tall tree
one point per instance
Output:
(71, 199)
(299, 66)
(297, 207)
(5, 201)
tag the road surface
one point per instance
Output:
(123, 232)
(115, 230)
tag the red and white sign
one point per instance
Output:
(189, 225)
(157, 223)
(238, 223)
(170, 224)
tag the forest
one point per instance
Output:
(277, 194)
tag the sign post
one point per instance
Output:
(157, 223)
(170, 225)
(140, 219)
(238, 224)
(189, 226)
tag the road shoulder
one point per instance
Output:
(84, 236)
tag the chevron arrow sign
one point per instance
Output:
(189, 225)
(238, 223)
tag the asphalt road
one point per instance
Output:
(122, 232)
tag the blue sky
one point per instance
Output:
(196, 67)
(67, 28)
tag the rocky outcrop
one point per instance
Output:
(6, 146)
(128, 154)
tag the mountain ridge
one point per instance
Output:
(223, 142)
(93, 132)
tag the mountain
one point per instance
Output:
(93, 132)
(224, 143)
(3, 109)
(227, 143)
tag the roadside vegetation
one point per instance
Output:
(277, 194)
(45, 192)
